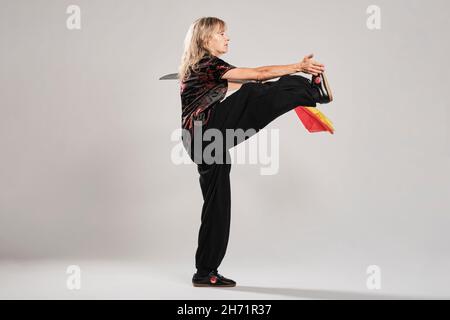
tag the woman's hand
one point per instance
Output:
(308, 65)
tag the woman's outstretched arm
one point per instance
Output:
(307, 65)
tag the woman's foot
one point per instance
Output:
(213, 279)
(321, 84)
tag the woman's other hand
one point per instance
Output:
(310, 66)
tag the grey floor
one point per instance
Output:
(109, 279)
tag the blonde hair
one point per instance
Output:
(195, 43)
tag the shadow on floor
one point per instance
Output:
(320, 294)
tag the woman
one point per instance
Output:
(204, 82)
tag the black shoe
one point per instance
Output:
(324, 91)
(213, 279)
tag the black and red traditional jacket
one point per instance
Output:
(202, 90)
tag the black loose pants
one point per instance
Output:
(253, 106)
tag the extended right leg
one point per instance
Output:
(255, 105)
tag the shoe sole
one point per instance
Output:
(213, 285)
(327, 86)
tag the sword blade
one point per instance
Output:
(170, 76)
(174, 76)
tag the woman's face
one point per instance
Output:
(218, 44)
